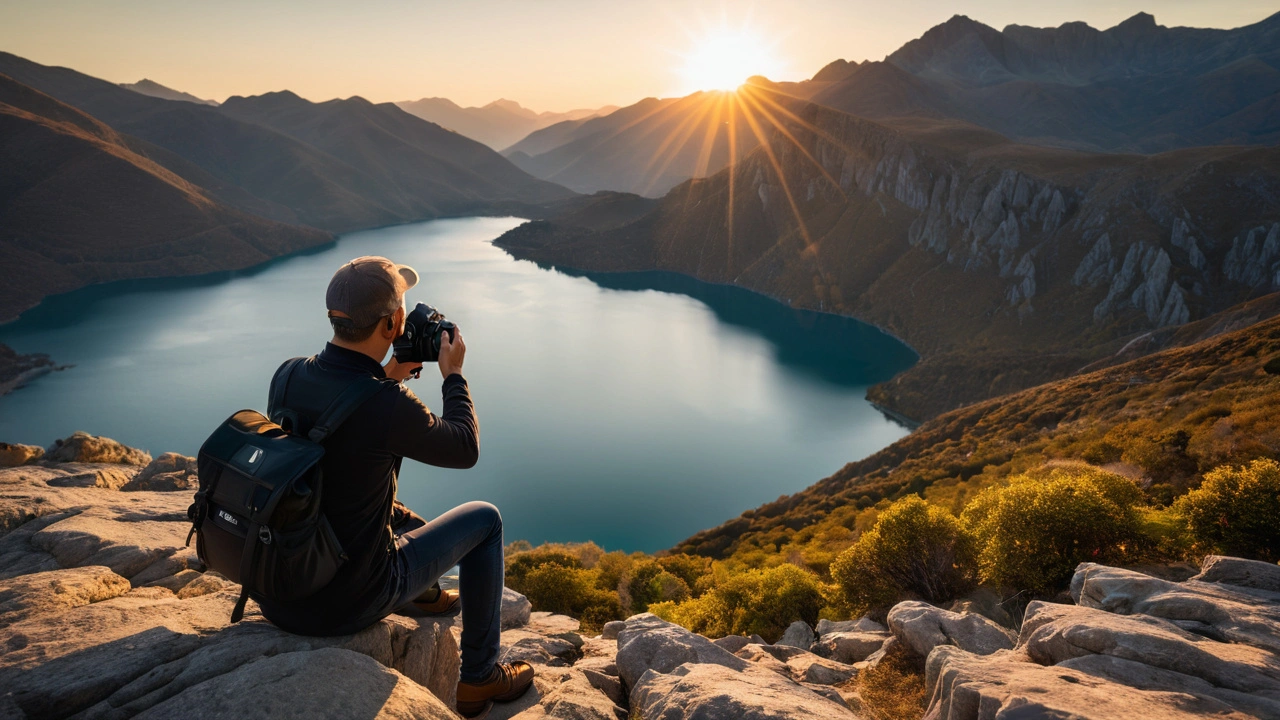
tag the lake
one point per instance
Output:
(629, 409)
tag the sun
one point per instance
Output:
(723, 58)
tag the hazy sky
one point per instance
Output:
(545, 54)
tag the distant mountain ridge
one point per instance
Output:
(1138, 86)
(258, 156)
(499, 124)
(155, 89)
(79, 205)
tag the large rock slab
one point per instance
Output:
(576, 697)
(1004, 685)
(1240, 572)
(1053, 633)
(311, 684)
(170, 472)
(649, 643)
(922, 627)
(117, 657)
(715, 692)
(1145, 677)
(1222, 612)
(862, 624)
(125, 542)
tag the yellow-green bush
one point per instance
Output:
(1236, 511)
(1032, 532)
(570, 591)
(647, 583)
(761, 601)
(914, 550)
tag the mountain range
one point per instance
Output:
(1136, 87)
(275, 173)
(1004, 264)
(499, 124)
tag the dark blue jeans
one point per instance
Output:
(469, 536)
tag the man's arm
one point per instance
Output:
(451, 439)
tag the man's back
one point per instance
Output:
(361, 462)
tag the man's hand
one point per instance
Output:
(451, 353)
(398, 371)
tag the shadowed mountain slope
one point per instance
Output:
(499, 124)
(1004, 265)
(1138, 86)
(79, 206)
(298, 181)
(155, 89)
(646, 148)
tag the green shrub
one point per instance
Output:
(1032, 532)
(611, 568)
(1236, 511)
(689, 568)
(571, 591)
(519, 565)
(647, 583)
(763, 601)
(914, 549)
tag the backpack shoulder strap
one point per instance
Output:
(352, 397)
(280, 386)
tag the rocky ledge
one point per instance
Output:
(17, 370)
(104, 613)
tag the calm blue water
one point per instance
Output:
(632, 410)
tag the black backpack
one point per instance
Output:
(256, 516)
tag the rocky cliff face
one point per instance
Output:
(106, 614)
(1014, 264)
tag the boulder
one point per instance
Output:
(965, 686)
(710, 691)
(12, 455)
(168, 473)
(758, 656)
(922, 627)
(649, 643)
(319, 683)
(862, 624)
(799, 665)
(1240, 572)
(575, 697)
(986, 603)
(610, 685)
(798, 634)
(1052, 634)
(732, 643)
(86, 448)
(612, 628)
(1223, 612)
(849, 646)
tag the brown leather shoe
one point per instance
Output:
(438, 602)
(507, 682)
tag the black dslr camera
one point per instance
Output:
(420, 342)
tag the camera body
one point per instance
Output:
(423, 329)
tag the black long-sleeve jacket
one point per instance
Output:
(360, 465)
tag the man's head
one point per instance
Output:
(366, 297)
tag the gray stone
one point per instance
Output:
(732, 643)
(649, 643)
(1226, 612)
(965, 686)
(849, 647)
(710, 691)
(610, 685)
(320, 683)
(611, 629)
(798, 634)
(922, 627)
(862, 624)
(1240, 572)
(516, 608)
(1144, 677)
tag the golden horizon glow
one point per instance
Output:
(722, 58)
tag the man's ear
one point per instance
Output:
(396, 323)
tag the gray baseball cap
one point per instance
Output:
(367, 289)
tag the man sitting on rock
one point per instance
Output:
(394, 557)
